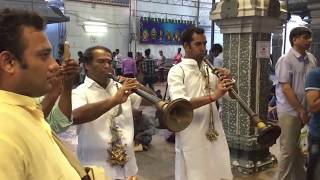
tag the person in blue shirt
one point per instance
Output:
(312, 88)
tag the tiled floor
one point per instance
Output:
(158, 163)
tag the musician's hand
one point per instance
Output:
(223, 86)
(134, 80)
(122, 79)
(224, 73)
(128, 84)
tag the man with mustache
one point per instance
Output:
(103, 108)
(291, 71)
(201, 149)
(27, 146)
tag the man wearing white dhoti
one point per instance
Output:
(103, 108)
(202, 151)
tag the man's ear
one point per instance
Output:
(294, 40)
(86, 66)
(186, 46)
(7, 62)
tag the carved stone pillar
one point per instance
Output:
(314, 7)
(277, 43)
(243, 24)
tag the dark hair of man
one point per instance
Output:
(130, 54)
(12, 23)
(147, 52)
(217, 48)
(186, 36)
(297, 32)
(114, 54)
(88, 53)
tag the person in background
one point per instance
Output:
(218, 55)
(139, 65)
(312, 88)
(118, 62)
(290, 74)
(178, 56)
(161, 63)
(272, 106)
(82, 73)
(143, 131)
(129, 68)
(149, 67)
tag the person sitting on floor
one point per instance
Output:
(143, 130)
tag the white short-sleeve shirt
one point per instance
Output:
(94, 137)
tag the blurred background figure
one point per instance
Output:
(272, 105)
(118, 61)
(178, 56)
(149, 67)
(217, 55)
(139, 62)
(143, 131)
(129, 68)
(161, 63)
(82, 73)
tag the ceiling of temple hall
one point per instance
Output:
(299, 7)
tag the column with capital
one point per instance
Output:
(247, 26)
(314, 8)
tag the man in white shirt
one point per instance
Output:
(218, 55)
(118, 60)
(201, 149)
(104, 109)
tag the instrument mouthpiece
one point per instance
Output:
(111, 76)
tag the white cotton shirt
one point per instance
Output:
(94, 136)
(218, 61)
(196, 157)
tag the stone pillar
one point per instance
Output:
(243, 23)
(314, 7)
(277, 43)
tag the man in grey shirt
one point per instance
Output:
(291, 71)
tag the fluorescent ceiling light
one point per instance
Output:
(95, 27)
(95, 23)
